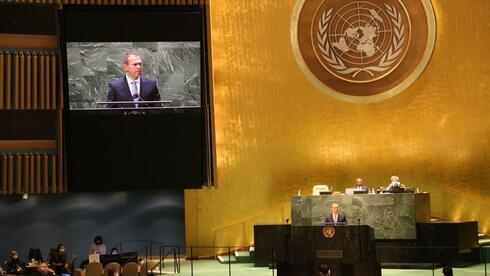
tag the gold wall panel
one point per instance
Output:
(276, 134)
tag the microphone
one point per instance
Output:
(287, 220)
(137, 98)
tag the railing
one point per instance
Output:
(171, 261)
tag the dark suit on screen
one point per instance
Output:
(118, 91)
(340, 219)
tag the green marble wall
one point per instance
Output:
(393, 216)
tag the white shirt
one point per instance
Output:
(130, 85)
(335, 217)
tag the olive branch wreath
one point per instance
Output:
(384, 64)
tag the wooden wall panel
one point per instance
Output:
(8, 70)
(24, 172)
(38, 174)
(29, 81)
(47, 81)
(10, 174)
(32, 174)
(4, 171)
(41, 81)
(22, 81)
(16, 80)
(2, 79)
(25, 182)
(45, 173)
(34, 81)
(53, 80)
(18, 173)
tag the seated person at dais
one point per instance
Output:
(335, 217)
(360, 186)
(114, 251)
(98, 247)
(57, 260)
(395, 185)
(14, 265)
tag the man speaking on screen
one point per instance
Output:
(132, 87)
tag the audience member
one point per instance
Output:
(14, 265)
(58, 260)
(447, 271)
(112, 272)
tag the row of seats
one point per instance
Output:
(129, 269)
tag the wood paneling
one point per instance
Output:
(4, 171)
(27, 145)
(29, 79)
(2, 80)
(27, 41)
(23, 172)
(22, 81)
(8, 81)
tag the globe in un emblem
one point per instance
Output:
(361, 41)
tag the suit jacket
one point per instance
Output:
(340, 219)
(364, 188)
(118, 91)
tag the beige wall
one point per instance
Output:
(277, 134)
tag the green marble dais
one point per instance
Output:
(393, 216)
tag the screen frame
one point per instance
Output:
(207, 138)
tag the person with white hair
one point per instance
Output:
(394, 185)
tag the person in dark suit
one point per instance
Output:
(335, 217)
(132, 87)
(360, 186)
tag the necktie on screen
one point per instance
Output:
(135, 91)
(136, 96)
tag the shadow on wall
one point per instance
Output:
(43, 221)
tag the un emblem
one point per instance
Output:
(363, 51)
(328, 232)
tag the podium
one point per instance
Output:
(345, 250)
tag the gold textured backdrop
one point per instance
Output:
(276, 134)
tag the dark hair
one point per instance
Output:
(323, 268)
(98, 238)
(447, 271)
